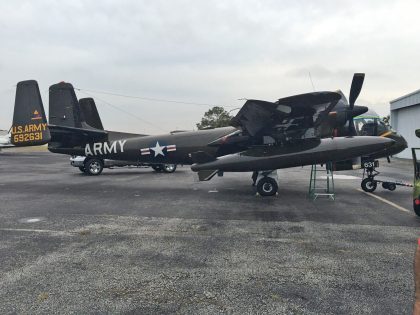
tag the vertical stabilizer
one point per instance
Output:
(64, 106)
(29, 122)
(90, 113)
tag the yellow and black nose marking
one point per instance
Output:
(386, 133)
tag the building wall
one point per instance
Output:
(405, 121)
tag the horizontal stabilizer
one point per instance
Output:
(202, 157)
(71, 140)
(206, 175)
(92, 134)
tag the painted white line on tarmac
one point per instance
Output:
(386, 201)
(341, 176)
(31, 220)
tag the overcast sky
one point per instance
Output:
(212, 52)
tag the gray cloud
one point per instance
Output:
(206, 51)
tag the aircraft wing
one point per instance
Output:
(298, 112)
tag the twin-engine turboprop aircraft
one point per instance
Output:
(264, 136)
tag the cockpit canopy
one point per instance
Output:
(370, 124)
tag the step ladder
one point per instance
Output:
(322, 182)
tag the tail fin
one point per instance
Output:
(64, 106)
(29, 122)
(70, 132)
(90, 113)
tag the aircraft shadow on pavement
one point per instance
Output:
(134, 171)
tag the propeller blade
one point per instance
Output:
(356, 87)
(356, 111)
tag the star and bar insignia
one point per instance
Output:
(158, 149)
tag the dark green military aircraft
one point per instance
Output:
(304, 129)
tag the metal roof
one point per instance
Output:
(410, 99)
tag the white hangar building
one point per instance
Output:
(405, 119)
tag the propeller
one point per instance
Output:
(356, 87)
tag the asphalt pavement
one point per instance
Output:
(135, 241)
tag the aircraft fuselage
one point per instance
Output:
(168, 148)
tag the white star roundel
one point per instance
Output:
(158, 149)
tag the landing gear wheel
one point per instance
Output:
(392, 186)
(94, 166)
(389, 186)
(368, 185)
(267, 186)
(82, 169)
(169, 168)
(157, 167)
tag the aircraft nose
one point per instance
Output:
(401, 142)
(375, 143)
(387, 142)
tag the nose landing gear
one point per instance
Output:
(369, 183)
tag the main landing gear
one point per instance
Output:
(369, 183)
(166, 168)
(266, 182)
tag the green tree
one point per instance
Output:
(214, 118)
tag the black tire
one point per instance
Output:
(169, 168)
(157, 167)
(82, 169)
(94, 166)
(416, 208)
(385, 185)
(267, 186)
(369, 185)
(392, 186)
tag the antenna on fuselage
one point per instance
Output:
(312, 83)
